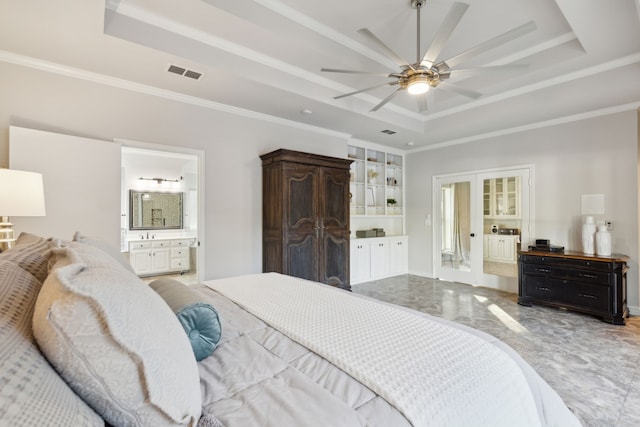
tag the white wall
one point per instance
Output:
(595, 156)
(232, 144)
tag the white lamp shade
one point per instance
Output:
(21, 193)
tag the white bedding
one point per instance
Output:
(437, 373)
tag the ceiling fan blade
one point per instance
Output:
(364, 90)
(468, 72)
(459, 90)
(370, 73)
(387, 99)
(386, 49)
(422, 102)
(490, 44)
(449, 24)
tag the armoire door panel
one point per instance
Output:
(301, 259)
(302, 209)
(335, 197)
(334, 261)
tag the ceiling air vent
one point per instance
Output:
(193, 74)
(176, 70)
(184, 72)
(388, 131)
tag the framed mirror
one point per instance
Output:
(150, 210)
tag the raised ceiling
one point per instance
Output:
(265, 56)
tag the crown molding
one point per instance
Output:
(102, 79)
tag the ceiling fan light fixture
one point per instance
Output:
(418, 87)
(418, 84)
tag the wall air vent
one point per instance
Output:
(184, 72)
(388, 131)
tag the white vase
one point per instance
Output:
(603, 241)
(588, 236)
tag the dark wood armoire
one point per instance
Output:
(305, 216)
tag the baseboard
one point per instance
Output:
(634, 311)
(426, 274)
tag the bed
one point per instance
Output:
(85, 342)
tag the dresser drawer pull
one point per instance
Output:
(587, 296)
(588, 276)
(543, 270)
(540, 288)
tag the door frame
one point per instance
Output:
(478, 277)
(200, 158)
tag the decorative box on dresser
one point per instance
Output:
(305, 216)
(591, 284)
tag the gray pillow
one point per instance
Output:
(31, 391)
(115, 341)
(199, 320)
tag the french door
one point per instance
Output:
(457, 229)
(464, 211)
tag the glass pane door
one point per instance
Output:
(456, 234)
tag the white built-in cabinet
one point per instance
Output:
(500, 248)
(502, 197)
(378, 257)
(376, 182)
(153, 257)
(376, 200)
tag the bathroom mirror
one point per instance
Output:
(150, 210)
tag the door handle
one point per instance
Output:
(473, 234)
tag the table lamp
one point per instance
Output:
(21, 194)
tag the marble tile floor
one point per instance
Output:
(186, 278)
(594, 366)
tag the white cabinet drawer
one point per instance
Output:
(180, 243)
(139, 245)
(179, 252)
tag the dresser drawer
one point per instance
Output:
(557, 272)
(550, 261)
(567, 292)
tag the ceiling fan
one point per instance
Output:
(427, 71)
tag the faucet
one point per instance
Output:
(142, 236)
(147, 234)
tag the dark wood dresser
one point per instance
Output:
(591, 284)
(305, 216)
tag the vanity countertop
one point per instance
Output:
(152, 237)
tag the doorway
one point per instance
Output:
(481, 220)
(152, 169)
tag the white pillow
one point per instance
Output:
(100, 243)
(116, 342)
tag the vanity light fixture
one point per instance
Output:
(160, 180)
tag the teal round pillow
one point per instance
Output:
(199, 319)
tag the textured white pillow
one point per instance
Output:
(116, 342)
(103, 245)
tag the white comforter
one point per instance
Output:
(436, 373)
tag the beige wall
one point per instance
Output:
(594, 156)
(232, 143)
